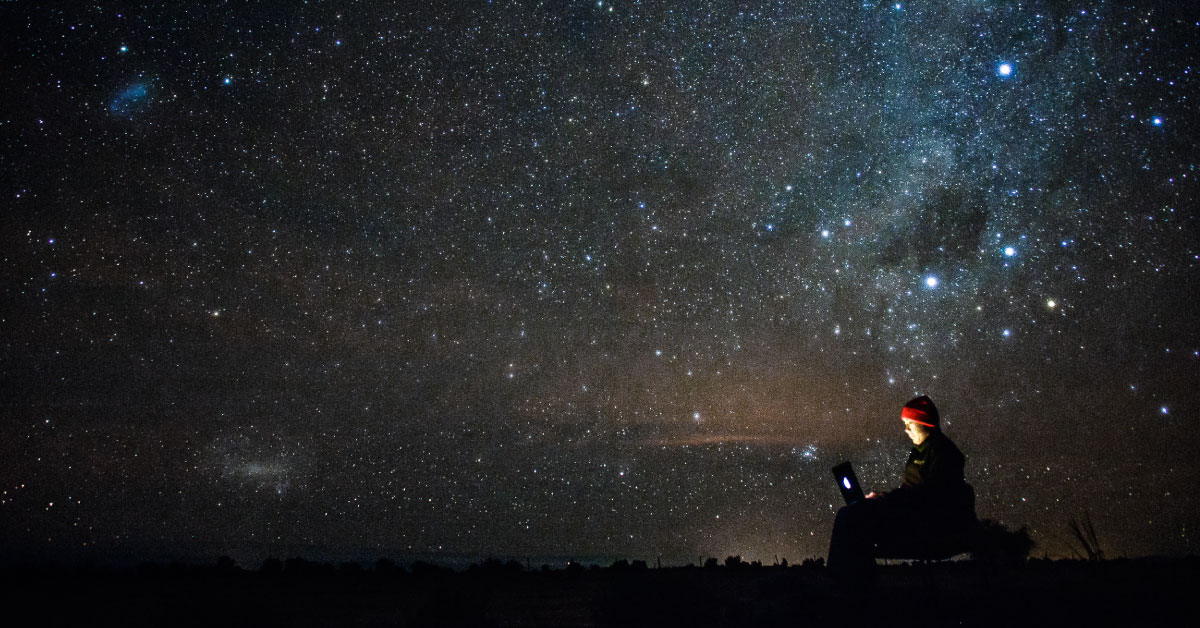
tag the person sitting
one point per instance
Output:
(933, 505)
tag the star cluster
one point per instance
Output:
(613, 279)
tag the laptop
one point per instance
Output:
(848, 483)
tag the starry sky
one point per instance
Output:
(590, 279)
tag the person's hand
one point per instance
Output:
(872, 495)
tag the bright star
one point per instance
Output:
(1156, 120)
(1009, 251)
(931, 282)
(1004, 69)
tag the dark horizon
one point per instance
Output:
(313, 561)
(497, 594)
(252, 558)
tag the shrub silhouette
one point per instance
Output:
(995, 543)
(271, 567)
(494, 566)
(300, 568)
(1084, 534)
(386, 568)
(423, 569)
(350, 570)
(226, 566)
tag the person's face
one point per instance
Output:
(915, 431)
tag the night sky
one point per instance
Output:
(590, 279)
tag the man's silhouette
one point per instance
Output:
(934, 502)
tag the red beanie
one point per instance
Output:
(921, 410)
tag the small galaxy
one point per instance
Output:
(130, 100)
(591, 280)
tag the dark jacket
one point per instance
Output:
(933, 480)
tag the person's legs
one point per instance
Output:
(852, 542)
(870, 528)
(897, 526)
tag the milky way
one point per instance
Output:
(603, 279)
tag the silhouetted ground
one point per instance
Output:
(1039, 593)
